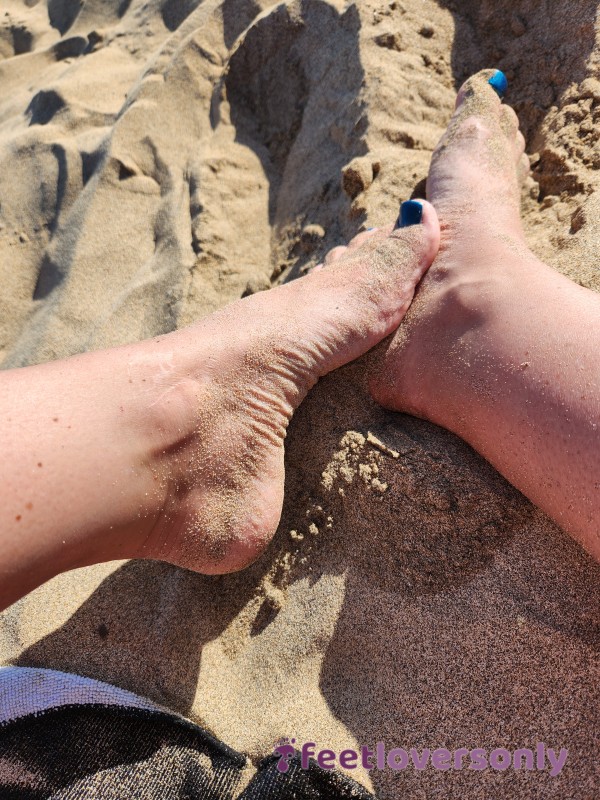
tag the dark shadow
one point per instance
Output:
(22, 40)
(62, 182)
(70, 48)
(125, 172)
(492, 662)
(63, 13)
(293, 86)
(543, 47)
(49, 277)
(52, 271)
(174, 12)
(123, 8)
(268, 88)
(465, 612)
(441, 519)
(44, 106)
(144, 629)
(237, 15)
(90, 163)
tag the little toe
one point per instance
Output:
(520, 144)
(523, 167)
(361, 238)
(334, 255)
(509, 122)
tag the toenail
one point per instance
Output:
(499, 83)
(411, 213)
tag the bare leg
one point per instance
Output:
(173, 448)
(498, 347)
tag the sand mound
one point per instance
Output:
(159, 159)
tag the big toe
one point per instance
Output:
(481, 124)
(482, 92)
(364, 296)
(336, 314)
(477, 162)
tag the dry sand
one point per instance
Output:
(161, 158)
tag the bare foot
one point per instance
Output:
(232, 382)
(474, 183)
(498, 347)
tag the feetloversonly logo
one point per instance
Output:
(539, 758)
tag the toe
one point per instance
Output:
(362, 237)
(520, 144)
(473, 130)
(478, 114)
(357, 241)
(509, 122)
(477, 95)
(366, 296)
(336, 315)
(478, 153)
(334, 255)
(523, 167)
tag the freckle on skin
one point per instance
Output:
(54, 419)
(29, 506)
(39, 463)
(18, 517)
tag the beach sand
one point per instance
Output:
(159, 159)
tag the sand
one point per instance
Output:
(159, 159)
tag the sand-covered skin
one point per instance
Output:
(160, 159)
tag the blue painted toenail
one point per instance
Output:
(370, 229)
(411, 213)
(499, 83)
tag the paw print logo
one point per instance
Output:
(285, 750)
